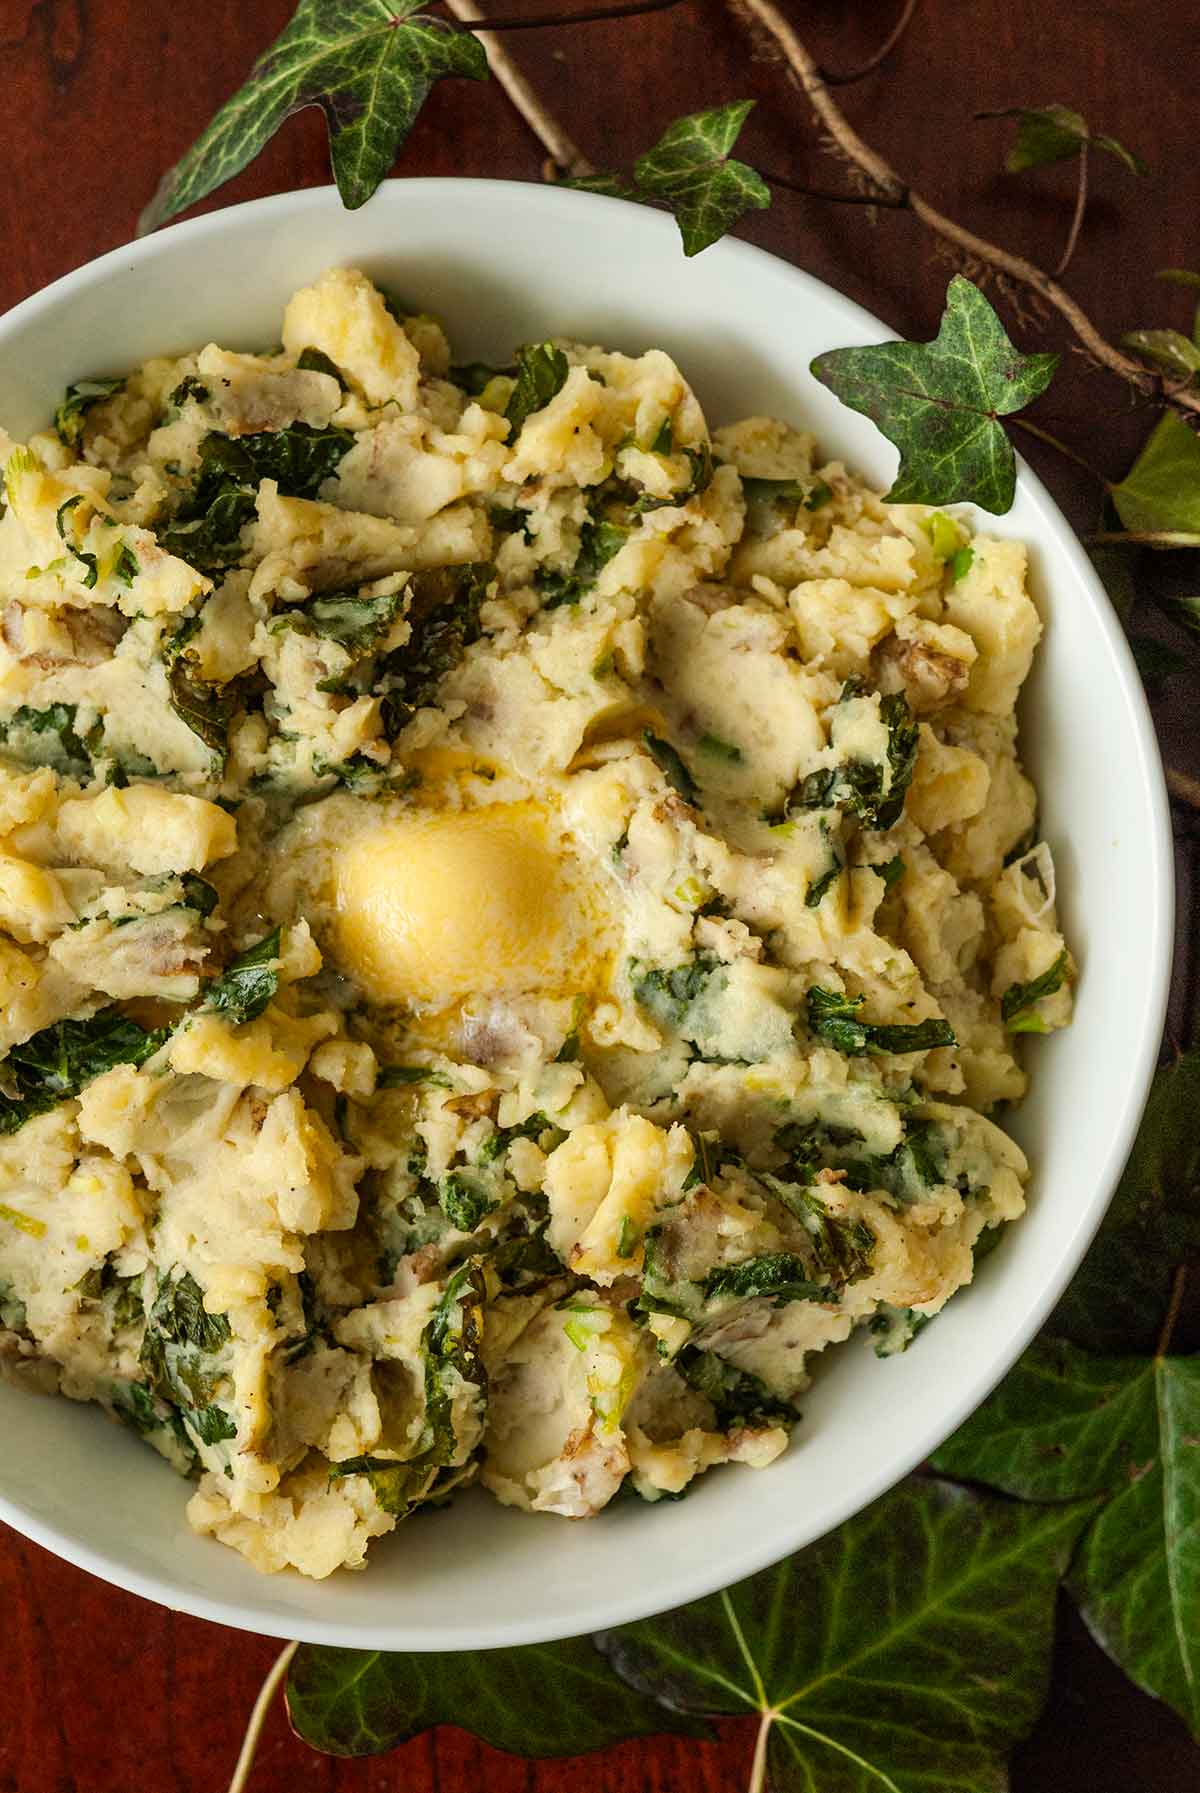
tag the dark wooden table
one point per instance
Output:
(99, 1691)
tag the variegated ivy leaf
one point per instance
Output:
(940, 402)
(1169, 349)
(691, 172)
(1054, 134)
(369, 66)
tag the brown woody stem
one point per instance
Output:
(631, 9)
(845, 78)
(1063, 448)
(1183, 787)
(890, 184)
(564, 153)
(1176, 1302)
(1148, 538)
(1081, 195)
(826, 193)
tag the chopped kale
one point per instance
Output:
(188, 388)
(245, 989)
(299, 458)
(394, 1076)
(524, 1259)
(662, 1293)
(452, 1344)
(598, 543)
(820, 887)
(356, 623)
(444, 605)
(77, 401)
(212, 1424)
(664, 440)
(61, 1059)
(913, 1167)
(668, 995)
(1019, 1000)
(811, 493)
(671, 765)
(871, 790)
(465, 1200)
(206, 708)
(87, 561)
(532, 1127)
(148, 1416)
(780, 1275)
(181, 1348)
(701, 462)
(895, 1328)
(738, 1398)
(541, 373)
(710, 1156)
(126, 566)
(121, 1295)
(180, 1315)
(474, 377)
(720, 750)
(48, 738)
(394, 1483)
(316, 361)
(843, 1248)
(890, 870)
(206, 528)
(832, 1016)
(198, 894)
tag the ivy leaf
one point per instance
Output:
(690, 170)
(1063, 1425)
(1156, 660)
(1161, 491)
(1055, 133)
(369, 66)
(1120, 1295)
(1171, 350)
(611, 185)
(908, 1650)
(539, 1700)
(940, 402)
(1186, 611)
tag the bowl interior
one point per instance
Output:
(502, 263)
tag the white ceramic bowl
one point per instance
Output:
(502, 263)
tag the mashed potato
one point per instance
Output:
(514, 913)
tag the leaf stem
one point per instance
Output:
(1064, 448)
(1149, 538)
(565, 154)
(1183, 787)
(827, 193)
(813, 84)
(1176, 1302)
(832, 78)
(758, 1767)
(629, 9)
(1081, 196)
(258, 1717)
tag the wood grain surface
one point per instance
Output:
(99, 1691)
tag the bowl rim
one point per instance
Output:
(694, 1581)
